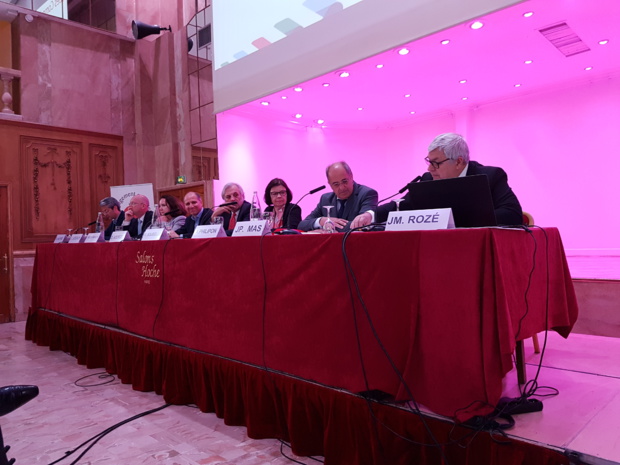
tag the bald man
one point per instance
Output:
(353, 204)
(137, 216)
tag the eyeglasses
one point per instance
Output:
(436, 164)
(276, 194)
(136, 203)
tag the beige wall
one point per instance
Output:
(5, 45)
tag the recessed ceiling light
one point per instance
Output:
(412, 112)
(603, 42)
(264, 103)
(379, 66)
(360, 108)
(517, 85)
(344, 74)
(528, 62)
(462, 81)
(298, 115)
(588, 68)
(284, 97)
(403, 51)
(528, 14)
(464, 98)
(326, 84)
(476, 25)
(320, 121)
(445, 42)
(407, 95)
(298, 89)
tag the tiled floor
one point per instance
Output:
(583, 417)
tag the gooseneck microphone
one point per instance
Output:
(313, 191)
(227, 204)
(417, 178)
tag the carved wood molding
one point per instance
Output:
(52, 154)
(104, 157)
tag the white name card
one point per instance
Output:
(420, 220)
(120, 236)
(251, 228)
(76, 239)
(155, 234)
(209, 231)
(61, 238)
(95, 237)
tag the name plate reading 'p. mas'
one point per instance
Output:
(60, 238)
(251, 228)
(420, 220)
(120, 236)
(95, 237)
(209, 231)
(155, 234)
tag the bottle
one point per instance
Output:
(99, 225)
(255, 209)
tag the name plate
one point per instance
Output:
(76, 239)
(95, 237)
(61, 238)
(155, 234)
(420, 220)
(120, 236)
(209, 231)
(251, 228)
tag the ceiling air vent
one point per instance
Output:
(564, 39)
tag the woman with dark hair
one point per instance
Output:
(171, 213)
(278, 197)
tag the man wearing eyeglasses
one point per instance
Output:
(353, 205)
(137, 216)
(448, 157)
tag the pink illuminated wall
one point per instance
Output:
(558, 147)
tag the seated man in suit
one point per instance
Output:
(197, 215)
(138, 217)
(448, 157)
(232, 214)
(354, 204)
(111, 211)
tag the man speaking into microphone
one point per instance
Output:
(235, 208)
(353, 205)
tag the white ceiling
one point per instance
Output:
(491, 60)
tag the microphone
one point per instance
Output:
(417, 178)
(227, 204)
(285, 221)
(91, 223)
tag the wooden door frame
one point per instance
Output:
(9, 200)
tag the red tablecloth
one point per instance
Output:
(447, 306)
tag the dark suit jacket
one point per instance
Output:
(291, 217)
(132, 227)
(244, 215)
(187, 230)
(507, 207)
(362, 199)
(112, 226)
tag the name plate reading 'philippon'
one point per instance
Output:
(120, 236)
(95, 237)
(420, 220)
(155, 234)
(209, 231)
(60, 238)
(251, 228)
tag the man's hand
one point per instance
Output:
(340, 223)
(363, 219)
(219, 211)
(129, 214)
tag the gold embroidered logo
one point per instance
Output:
(149, 267)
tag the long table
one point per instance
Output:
(436, 320)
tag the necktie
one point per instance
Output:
(341, 208)
(140, 226)
(233, 221)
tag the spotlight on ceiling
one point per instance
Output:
(141, 30)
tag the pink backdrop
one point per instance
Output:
(539, 139)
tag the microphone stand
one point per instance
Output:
(285, 223)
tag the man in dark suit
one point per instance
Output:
(232, 214)
(111, 211)
(448, 157)
(138, 217)
(353, 204)
(197, 215)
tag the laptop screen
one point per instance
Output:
(469, 198)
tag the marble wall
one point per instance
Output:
(23, 265)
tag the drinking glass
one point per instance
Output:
(69, 231)
(255, 214)
(86, 229)
(329, 226)
(398, 201)
(269, 216)
(217, 220)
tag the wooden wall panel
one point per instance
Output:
(106, 169)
